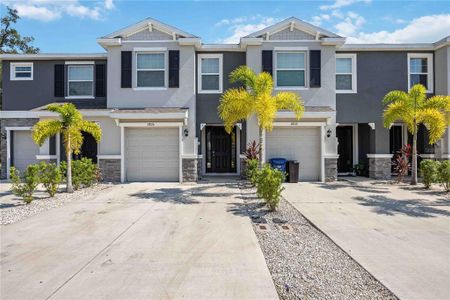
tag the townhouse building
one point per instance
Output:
(156, 89)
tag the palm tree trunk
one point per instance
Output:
(260, 147)
(414, 160)
(69, 187)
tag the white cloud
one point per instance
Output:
(242, 26)
(49, 10)
(341, 3)
(425, 29)
(317, 20)
(350, 24)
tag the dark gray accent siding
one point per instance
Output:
(29, 94)
(377, 74)
(206, 104)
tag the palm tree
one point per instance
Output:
(413, 108)
(238, 104)
(71, 125)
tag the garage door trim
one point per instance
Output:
(150, 125)
(296, 124)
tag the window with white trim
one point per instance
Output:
(346, 73)
(80, 81)
(420, 70)
(21, 71)
(210, 73)
(290, 69)
(151, 70)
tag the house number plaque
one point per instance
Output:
(150, 124)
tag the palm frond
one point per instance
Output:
(263, 83)
(441, 103)
(235, 105)
(45, 129)
(395, 96)
(92, 128)
(291, 102)
(245, 75)
(397, 111)
(266, 110)
(434, 121)
(75, 137)
(418, 94)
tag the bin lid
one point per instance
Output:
(278, 160)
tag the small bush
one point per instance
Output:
(84, 172)
(444, 174)
(25, 187)
(252, 170)
(269, 186)
(401, 162)
(50, 176)
(429, 172)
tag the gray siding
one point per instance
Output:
(442, 71)
(287, 34)
(29, 94)
(207, 103)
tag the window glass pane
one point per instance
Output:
(343, 65)
(80, 88)
(343, 82)
(291, 60)
(23, 75)
(24, 69)
(210, 82)
(290, 78)
(418, 65)
(422, 79)
(150, 61)
(81, 72)
(210, 65)
(150, 78)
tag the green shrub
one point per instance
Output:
(50, 176)
(269, 186)
(84, 172)
(252, 170)
(429, 172)
(25, 187)
(444, 174)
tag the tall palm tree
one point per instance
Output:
(238, 104)
(71, 125)
(413, 108)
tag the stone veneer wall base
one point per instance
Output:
(110, 169)
(189, 169)
(380, 167)
(331, 169)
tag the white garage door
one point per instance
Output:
(25, 150)
(301, 144)
(152, 154)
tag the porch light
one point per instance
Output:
(186, 132)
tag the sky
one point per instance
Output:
(72, 26)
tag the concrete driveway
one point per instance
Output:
(400, 234)
(136, 241)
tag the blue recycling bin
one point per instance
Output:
(278, 163)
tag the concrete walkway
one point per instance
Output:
(400, 234)
(137, 241)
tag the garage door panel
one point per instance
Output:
(152, 154)
(25, 150)
(301, 144)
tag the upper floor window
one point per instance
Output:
(151, 70)
(21, 71)
(345, 73)
(80, 81)
(290, 69)
(210, 73)
(420, 70)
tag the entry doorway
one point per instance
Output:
(397, 138)
(345, 136)
(221, 150)
(89, 148)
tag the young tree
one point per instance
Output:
(10, 39)
(71, 125)
(238, 104)
(413, 108)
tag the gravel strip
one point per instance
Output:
(304, 263)
(13, 209)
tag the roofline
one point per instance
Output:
(51, 56)
(398, 47)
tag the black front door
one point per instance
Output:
(344, 135)
(220, 150)
(395, 143)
